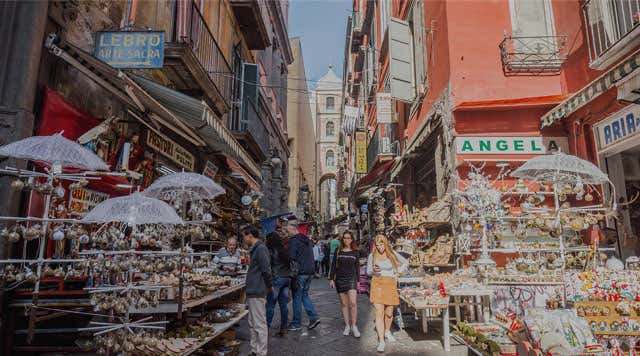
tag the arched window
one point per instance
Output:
(331, 103)
(330, 129)
(330, 158)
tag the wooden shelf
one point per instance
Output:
(172, 308)
(219, 329)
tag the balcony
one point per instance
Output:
(251, 131)
(195, 62)
(533, 55)
(249, 14)
(382, 146)
(612, 30)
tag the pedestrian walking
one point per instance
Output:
(281, 281)
(325, 259)
(344, 274)
(302, 270)
(318, 255)
(384, 264)
(333, 246)
(258, 285)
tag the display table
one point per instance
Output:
(429, 312)
(478, 301)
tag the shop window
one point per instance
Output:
(330, 159)
(330, 129)
(330, 103)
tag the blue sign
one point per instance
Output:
(619, 126)
(130, 49)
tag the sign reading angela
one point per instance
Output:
(619, 126)
(130, 49)
(510, 145)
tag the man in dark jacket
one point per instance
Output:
(257, 286)
(301, 255)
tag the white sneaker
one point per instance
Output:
(346, 331)
(355, 331)
(381, 346)
(389, 336)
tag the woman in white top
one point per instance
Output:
(384, 264)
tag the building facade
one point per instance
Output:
(326, 101)
(302, 139)
(427, 81)
(218, 94)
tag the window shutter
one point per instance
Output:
(249, 87)
(419, 41)
(400, 71)
(250, 82)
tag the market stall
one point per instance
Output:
(124, 277)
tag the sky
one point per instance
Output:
(321, 26)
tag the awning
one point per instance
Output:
(594, 89)
(243, 174)
(201, 118)
(375, 176)
(190, 118)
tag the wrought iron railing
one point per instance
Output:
(607, 22)
(250, 122)
(382, 143)
(206, 49)
(531, 55)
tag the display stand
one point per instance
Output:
(431, 312)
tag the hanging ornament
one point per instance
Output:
(59, 191)
(17, 184)
(58, 235)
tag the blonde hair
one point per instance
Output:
(388, 251)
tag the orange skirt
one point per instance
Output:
(384, 290)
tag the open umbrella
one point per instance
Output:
(54, 149)
(184, 186)
(133, 209)
(560, 168)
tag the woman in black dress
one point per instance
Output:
(344, 274)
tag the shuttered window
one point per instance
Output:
(418, 31)
(401, 60)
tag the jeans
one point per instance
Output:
(301, 297)
(280, 295)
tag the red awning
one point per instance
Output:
(237, 169)
(375, 176)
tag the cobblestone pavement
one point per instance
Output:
(327, 338)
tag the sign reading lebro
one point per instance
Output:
(361, 152)
(510, 145)
(130, 49)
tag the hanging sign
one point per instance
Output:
(510, 145)
(210, 170)
(171, 150)
(618, 127)
(130, 49)
(361, 152)
(83, 200)
(384, 114)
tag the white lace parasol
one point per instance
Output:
(54, 149)
(560, 168)
(133, 209)
(184, 185)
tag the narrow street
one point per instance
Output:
(327, 338)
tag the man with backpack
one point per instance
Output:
(302, 270)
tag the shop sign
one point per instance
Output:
(618, 127)
(361, 152)
(130, 49)
(384, 114)
(510, 145)
(210, 170)
(171, 150)
(83, 200)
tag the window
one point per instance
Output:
(330, 129)
(418, 33)
(330, 103)
(532, 22)
(384, 15)
(330, 159)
